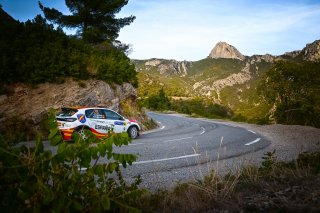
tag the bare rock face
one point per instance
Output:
(32, 103)
(225, 50)
(153, 62)
(259, 58)
(170, 67)
(292, 54)
(312, 51)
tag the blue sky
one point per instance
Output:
(189, 29)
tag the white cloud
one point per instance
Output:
(189, 29)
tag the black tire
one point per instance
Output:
(133, 132)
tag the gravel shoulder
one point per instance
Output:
(288, 140)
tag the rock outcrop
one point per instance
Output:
(292, 54)
(225, 50)
(312, 51)
(31, 103)
(169, 67)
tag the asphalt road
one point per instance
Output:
(184, 149)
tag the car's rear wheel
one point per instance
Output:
(133, 132)
(82, 133)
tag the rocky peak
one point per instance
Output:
(312, 51)
(225, 50)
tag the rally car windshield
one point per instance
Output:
(67, 112)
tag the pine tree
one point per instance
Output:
(94, 19)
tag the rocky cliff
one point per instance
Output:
(312, 51)
(165, 67)
(31, 104)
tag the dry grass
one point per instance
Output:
(273, 187)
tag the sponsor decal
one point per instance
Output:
(120, 123)
(97, 121)
(101, 127)
(81, 118)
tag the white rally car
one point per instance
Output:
(100, 121)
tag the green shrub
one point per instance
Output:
(293, 88)
(239, 117)
(269, 161)
(15, 129)
(260, 120)
(72, 180)
(201, 107)
(159, 101)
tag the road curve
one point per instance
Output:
(182, 143)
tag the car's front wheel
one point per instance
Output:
(133, 132)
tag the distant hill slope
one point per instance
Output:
(225, 76)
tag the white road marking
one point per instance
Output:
(252, 142)
(203, 131)
(251, 131)
(178, 139)
(166, 159)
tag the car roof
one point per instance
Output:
(84, 107)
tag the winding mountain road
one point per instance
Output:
(185, 146)
(185, 149)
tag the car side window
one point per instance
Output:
(112, 115)
(95, 114)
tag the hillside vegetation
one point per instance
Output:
(293, 88)
(259, 89)
(200, 80)
(35, 52)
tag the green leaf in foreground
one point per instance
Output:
(36, 180)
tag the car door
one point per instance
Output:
(115, 120)
(97, 121)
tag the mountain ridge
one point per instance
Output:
(311, 52)
(229, 79)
